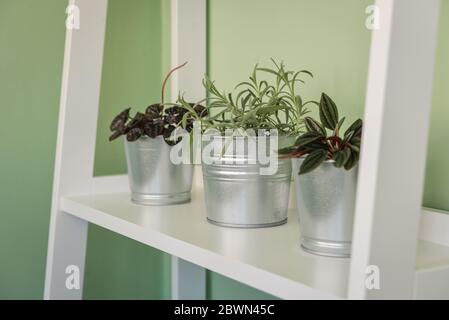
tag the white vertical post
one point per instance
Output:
(188, 43)
(188, 280)
(75, 148)
(394, 148)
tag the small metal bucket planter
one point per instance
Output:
(153, 178)
(325, 199)
(237, 195)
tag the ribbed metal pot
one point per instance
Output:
(325, 199)
(153, 178)
(237, 195)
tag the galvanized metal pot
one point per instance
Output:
(153, 178)
(325, 199)
(236, 193)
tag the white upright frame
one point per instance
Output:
(188, 44)
(386, 225)
(391, 175)
(75, 150)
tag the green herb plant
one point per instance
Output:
(258, 103)
(317, 146)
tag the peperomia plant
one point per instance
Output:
(317, 146)
(159, 119)
(258, 103)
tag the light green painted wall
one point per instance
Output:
(117, 267)
(436, 191)
(31, 54)
(327, 37)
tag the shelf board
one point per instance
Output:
(269, 259)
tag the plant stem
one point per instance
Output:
(168, 77)
(335, 143)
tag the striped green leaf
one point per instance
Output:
(314, 126)
(328, 112)
(352, 161)
(340, 157)
(307, 138)
(313, 161)
(356, 128)
(338, 126)
(354, 148)
(315, 145)
(286, 150)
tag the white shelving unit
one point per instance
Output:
(408, 244)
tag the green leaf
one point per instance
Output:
(354, 147)
(283, 125)
(328, 112)
(356, 127)
(340, 157)
(245, 100)
(275, 63)
(313, 161)
(298, 101)
(315, 145)
(245, 83)
(352, 160)
(348, 136)
(313, 125)
(269, 109)
(268, 71)
(356, 141)
(185, 117)
(338, 126)
(306, 72)
(286, 150)
(230, 99)
(308, 137)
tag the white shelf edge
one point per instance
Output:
(250, 275)
(432, 283)
(241, 271)
(433, 227)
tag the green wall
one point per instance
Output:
(436, 191)
(117, 267)
(326, 37)
(31, 54)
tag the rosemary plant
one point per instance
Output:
(258, 103)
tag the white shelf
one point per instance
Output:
(268, 259)
(388, 197)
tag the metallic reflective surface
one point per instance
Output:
(237, 195)
(153, 178)
(325, 199)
